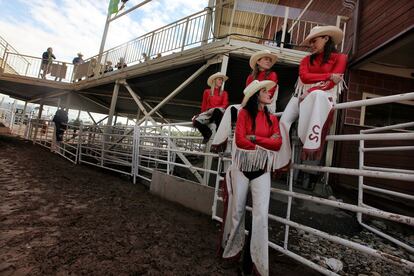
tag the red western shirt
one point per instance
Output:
(263, 131)
(215, 100)
(262, 76)
(316, 72)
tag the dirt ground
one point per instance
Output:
(57, 218)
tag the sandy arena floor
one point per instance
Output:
(57, 218)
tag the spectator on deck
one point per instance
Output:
(47, 59)
(78, 60)
(278, 38)
(145, 57)
(108, 67)
(121, 63)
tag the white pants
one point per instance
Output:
(259, 248)
(290, 114)
(313, 110)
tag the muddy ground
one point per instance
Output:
(57, 218)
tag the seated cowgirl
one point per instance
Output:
(215, 101)
(319, 84)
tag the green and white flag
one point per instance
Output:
(113, 6)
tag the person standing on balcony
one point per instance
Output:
(278, 38)
(319, 84)
(257, 141)
(261, 64)
(76, 62)
(47, 59)
(215, 102)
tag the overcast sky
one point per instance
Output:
(72, 26)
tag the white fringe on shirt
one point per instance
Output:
(302, 88)
(254, 160)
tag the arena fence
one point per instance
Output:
(138, 151)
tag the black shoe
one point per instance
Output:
(206, 139)
(240, 272)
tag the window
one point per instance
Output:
(386, 114)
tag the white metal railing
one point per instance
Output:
(363, 150)
(34, 67)
(237, 21)
(98, 147)
(361, 208)
(146, 148)
(158, 148)
(178, 36)
(42, 132)
(9, 68)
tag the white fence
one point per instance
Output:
(138, 151)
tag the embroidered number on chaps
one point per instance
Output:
(315, 133)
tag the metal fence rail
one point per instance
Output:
(30, 66)
(21, 61)
(42, 132)
(98, 147)
(146, 148)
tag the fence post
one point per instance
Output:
(232, 17)
(169, 149)
(185, 33)
(12, 110)
(208, 22)
(150, 46)
(39, 116)
(282, 43)
(5, 55)
(360, 178)
(79, 146)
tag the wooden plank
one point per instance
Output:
(377, 39)
(372, 27)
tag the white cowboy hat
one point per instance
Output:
(80, 54)
(254, 87)
(334, 32)
(213, 77)
(258, 55)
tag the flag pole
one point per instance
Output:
(108, 20)
(105, 34)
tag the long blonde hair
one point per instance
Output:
(213, 87)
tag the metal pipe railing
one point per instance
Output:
(145, 151)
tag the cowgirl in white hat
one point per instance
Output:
(261, 63)
(319, 84)
(257, 140)
(215, 102)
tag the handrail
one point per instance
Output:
(9, 46)
(146, 34)
(57, 61)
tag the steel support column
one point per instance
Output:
(113, 104)
(176, 91)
